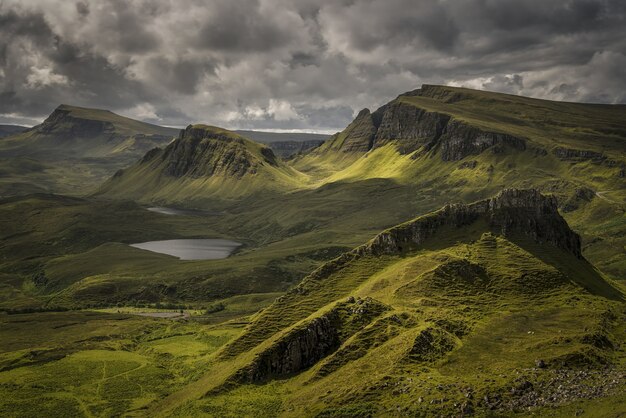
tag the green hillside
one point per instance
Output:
(204, 162)
(75, 150)
(483, 308)
(503, 294)
(487, 309)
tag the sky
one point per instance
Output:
(300, 65)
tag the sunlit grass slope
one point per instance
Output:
(454, 324)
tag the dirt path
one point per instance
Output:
(603, 197)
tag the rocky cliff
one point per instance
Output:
(411, 128)
(203, 151)
(63, 124)
(510, 212)
(307, 343)
(358, 136)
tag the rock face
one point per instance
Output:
(299, 350)
(202, 152)
(512, 211)
(308, 343)
(569, 154)
(358, 136)
(525, 212)
(411, 128)
(460, 140)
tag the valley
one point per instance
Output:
(454, 252)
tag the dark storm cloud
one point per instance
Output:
(305, 64)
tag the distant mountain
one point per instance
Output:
(7, 130)
(286, 145)
(269, 137)
(457, 123)
(76, 149)
(78, 132)
(204, 161)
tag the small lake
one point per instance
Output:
(192, 249)
(180, 212)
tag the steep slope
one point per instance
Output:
(472, 308)
(202, 163)
(456, 143)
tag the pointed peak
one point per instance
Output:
(363, 112)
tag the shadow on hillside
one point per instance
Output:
(580, 271)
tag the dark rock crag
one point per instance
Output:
(311, 341)
(202, 152)
(512, 211)
(411, 128)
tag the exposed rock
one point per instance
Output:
(526, 212)
(202, 152)
(411, 128)
(512, 210)
(359, 135)
(570, 154)
(297, 351)
(62, 124)
(460, 140)
(580, 196)
(306, 344)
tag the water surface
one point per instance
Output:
(191, 249)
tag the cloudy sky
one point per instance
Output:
(298, 64)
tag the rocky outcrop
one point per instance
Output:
(512, 211)
(358, 136)
(431, 344)
(581, 155)
(461, 140)
(299, 350)
(411, 128)
(526, 212)
(311, 341)
(569, 154)
(203, 152)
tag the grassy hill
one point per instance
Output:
(295, 215)
(487, 309)
(487, 301)
(75, 149)
(471, 309)
(202, 163)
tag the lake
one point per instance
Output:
(191, 249)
